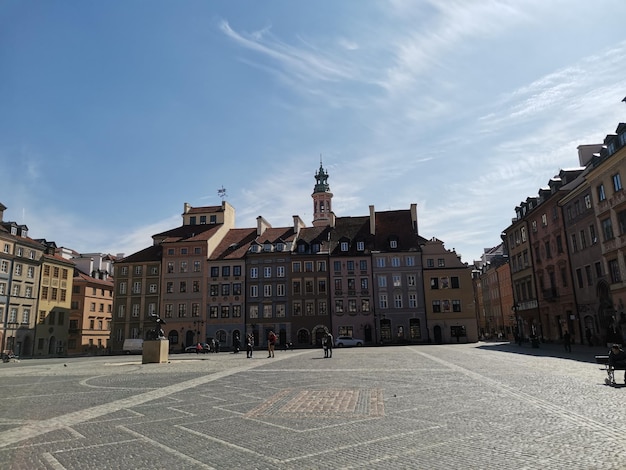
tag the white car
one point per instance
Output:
(347, 341)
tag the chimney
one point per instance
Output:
(186, 208)
(261, 226)
(297, 224)
(372, 220)
(414, 217)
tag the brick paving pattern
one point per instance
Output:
(469, 406)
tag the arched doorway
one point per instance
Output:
(367, 333)
(190, 336)
(303, 336)
(52, 345)
(438, 334)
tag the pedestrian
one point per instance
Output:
(198, 348)
(567, 341)
(271, 343)
(236, 344)
(249, 345)
(589, 336)
(329, 344)
(325, 344)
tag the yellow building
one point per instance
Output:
(448, 295)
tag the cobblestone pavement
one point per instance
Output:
(461, 406)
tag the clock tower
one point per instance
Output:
(322, 198)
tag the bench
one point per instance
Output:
(610, 370)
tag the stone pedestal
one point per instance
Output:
(155, 351)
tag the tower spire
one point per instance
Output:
(322, 198)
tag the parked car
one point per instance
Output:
(132, 346)
(206, 348)
(347, 341)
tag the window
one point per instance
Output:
(137, 287)
(267, 271)
(350, 266)
(280, 290)
(393, 243)
(456, 305)
(183, 286)
(267, 311)
(337, 266)
(395, 262)
(617, 182)
(441, 262)
(254, 273)
(587, 200)
(308, 266)
(382, 281)
(18, 269)
(213, 309)
(296, 287)
(454, 282)
(184, 251)
(237, 288)
(434, 283)
(397, 301)
(614, 271)
(544, 220)
(410, 260)
(598, 266)
(344, 246)
(225, 311)
(607, 229)
(297, 308)
(280, 310)
(364, 285)
(412, 300)
(152, 288)
(592, 234)
(589, 276)
(254, 291)
(365, 305)
(196, 266)
(237, 271)
(547, 248)
(215, 271)
(135, 310)
(382, 301)
(236, 311)
(321, 266)
(321, 286)
(280, 271)
(214, 290)
(380, 262)
(170, 267)
(123, 288)
(363, 266)
(30, 272)
(195, 286)
(226, 289)
(182, 310)
(436, 306)
(308, 286)
(601, 194)
(338, 306)
(267, 290)
(360, 246)
(574, 243)
(197, 250)
(430, 263)
(397, 281)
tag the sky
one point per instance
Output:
(115, 114)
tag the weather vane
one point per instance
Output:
(222, 192)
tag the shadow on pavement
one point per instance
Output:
(580, 353)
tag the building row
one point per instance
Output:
(371, 277)
(53, 302)
(561, 265)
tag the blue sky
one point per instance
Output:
(114, 114)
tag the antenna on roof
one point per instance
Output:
(222, 192)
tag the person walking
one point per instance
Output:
(329, 344)
(249, 345)
(567, 341)
(271, 343)
(589, 336)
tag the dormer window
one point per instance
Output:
(344, 246)
(280, 246)
(254, 248)
(360, 246)
(267, 247)
(316, 248)
(301, 248)
(393, 243)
